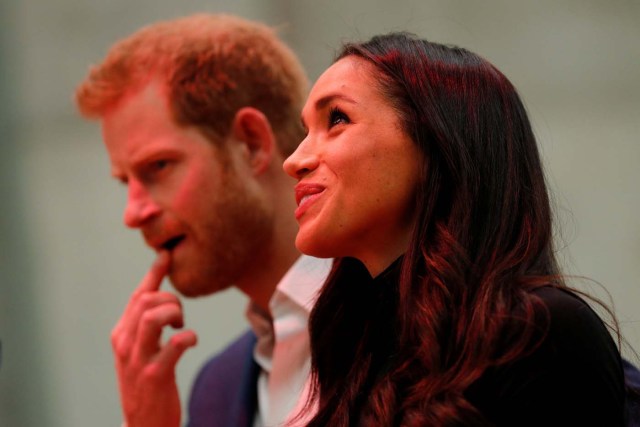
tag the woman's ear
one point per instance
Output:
(252, 128)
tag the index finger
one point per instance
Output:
(152, 280)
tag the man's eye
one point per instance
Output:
(156, 169)
(337, 117)
(159, 165)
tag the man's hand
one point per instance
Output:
(145, 366)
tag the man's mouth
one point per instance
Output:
(172, 243)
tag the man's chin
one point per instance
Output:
(193, 288)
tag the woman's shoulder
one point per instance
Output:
(579, 348)
(573, 324)
(572, 377)
(560, 299)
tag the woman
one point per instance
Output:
(420, 174)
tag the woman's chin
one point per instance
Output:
(314, 246)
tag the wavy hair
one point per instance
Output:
(481, 243)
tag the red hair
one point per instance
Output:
(211, 66)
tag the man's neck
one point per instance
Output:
(260, 283)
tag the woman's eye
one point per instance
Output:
(337, 117)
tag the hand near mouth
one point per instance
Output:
(145, 366)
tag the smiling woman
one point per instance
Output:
(420, 173)
(354, 141)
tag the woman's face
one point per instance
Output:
(357, 170)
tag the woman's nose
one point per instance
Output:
(302, 161)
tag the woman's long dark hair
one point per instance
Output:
(482, 242)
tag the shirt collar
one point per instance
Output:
(294, 297)
(302, 283)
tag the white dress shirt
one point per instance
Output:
(283, 383)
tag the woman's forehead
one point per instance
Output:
(348, 78)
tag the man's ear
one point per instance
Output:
(252, 128)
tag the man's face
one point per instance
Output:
(185, 195)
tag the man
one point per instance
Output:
(197, 116)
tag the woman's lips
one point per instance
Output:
(306, 195)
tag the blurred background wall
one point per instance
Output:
(67, 265)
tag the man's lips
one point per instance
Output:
(306, 194)
(172, 242)
(165, 243)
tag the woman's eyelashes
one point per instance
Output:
(337, 117)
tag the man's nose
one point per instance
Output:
(140, 206)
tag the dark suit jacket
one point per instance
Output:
(224, 393)
(632, 378)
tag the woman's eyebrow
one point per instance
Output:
(327, 99)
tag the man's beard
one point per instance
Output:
(235, 238)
